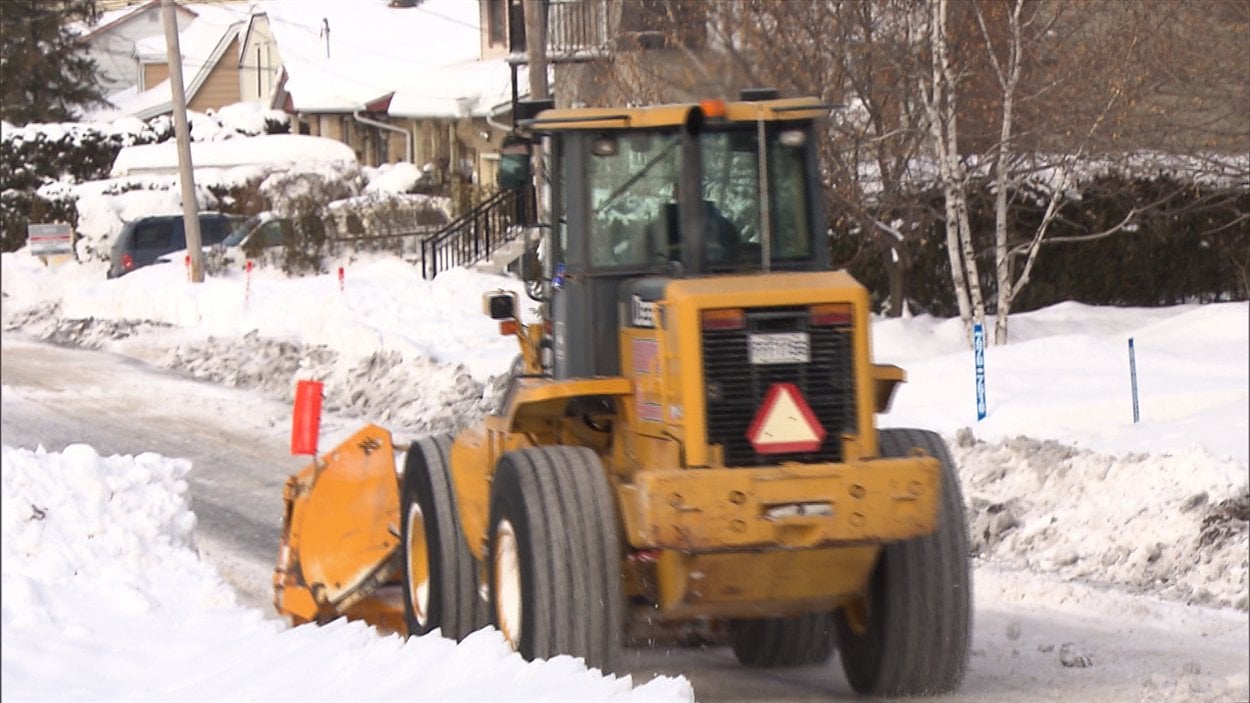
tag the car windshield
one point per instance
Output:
(634, 196)
(239, 232)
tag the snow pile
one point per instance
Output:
(251, 118)
(1048, 507)
(412, 397)
(105, 598)
(80, 529)
(392, 178)
(367, 340)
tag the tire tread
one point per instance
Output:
(575, 602)
(918, 642)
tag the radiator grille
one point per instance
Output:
(735, 387)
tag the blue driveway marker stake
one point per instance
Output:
(978, 347)
(1132, 372)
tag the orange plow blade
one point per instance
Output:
(340, 534)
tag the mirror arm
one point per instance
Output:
(525, 274)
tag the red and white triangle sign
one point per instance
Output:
(785, 423)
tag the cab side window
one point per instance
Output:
(632, 180)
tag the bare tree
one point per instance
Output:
(941, 100)
(1052, 87)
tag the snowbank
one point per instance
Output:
(104, 598)
(1168, 524)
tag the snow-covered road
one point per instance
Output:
(56, 397)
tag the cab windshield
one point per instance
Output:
(634, 195)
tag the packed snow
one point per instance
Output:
(1062, 486)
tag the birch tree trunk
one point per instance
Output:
(1008, 73)
(1008, 80)
(940, 102)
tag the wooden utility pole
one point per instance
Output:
(536, 58)
(190, 208)
(536, 48)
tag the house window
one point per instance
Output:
(496, 22)
(270, 73)
(516, 26)
(382, 151)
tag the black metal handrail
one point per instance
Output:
(478, 233)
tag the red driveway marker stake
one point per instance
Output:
(247, 286)
(340, 279)
(306, 419)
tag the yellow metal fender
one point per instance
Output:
(533, 410)
(885, 379)
(340, 532)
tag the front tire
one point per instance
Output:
(555, 565)
(440, 575)
(910, 634)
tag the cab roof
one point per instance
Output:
(677, 114)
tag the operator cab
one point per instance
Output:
(633, 217)
(669, 192)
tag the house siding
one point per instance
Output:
(259, 63)
(153, 74)
(221, 88)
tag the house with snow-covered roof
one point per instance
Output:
(395, 81)
(210, 74)
(129, 46)
(111, 41)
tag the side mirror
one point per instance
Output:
(514, 163)
(500, 305)
(514, 170)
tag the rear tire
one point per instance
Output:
(555, 566)
(910, 636)
(769, 643)
(440, 575)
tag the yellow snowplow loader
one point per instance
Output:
(689, 436)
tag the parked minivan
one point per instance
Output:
(144, 241)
